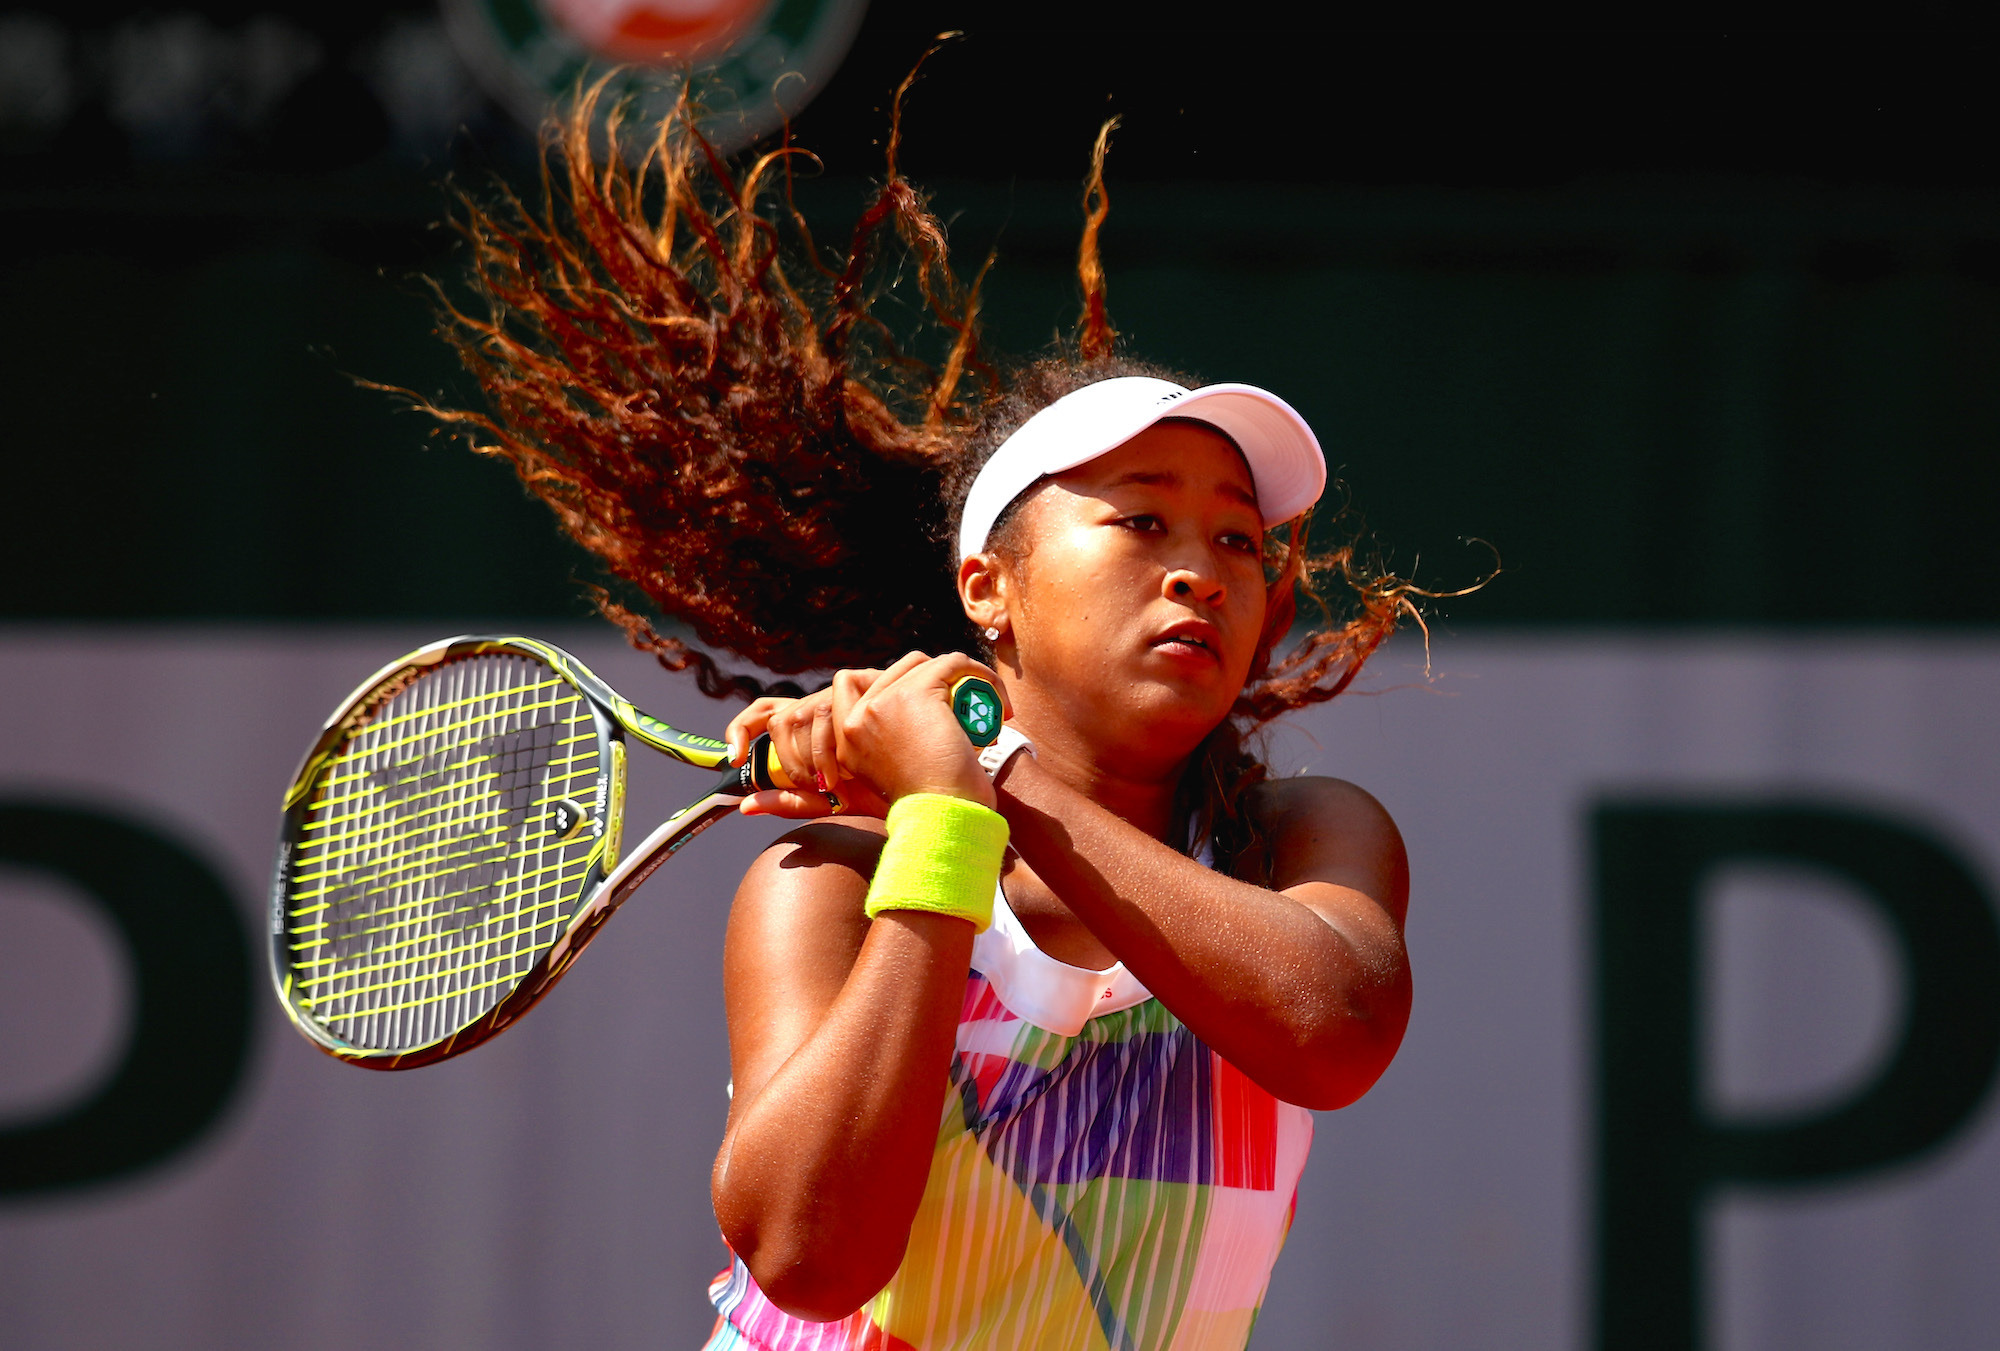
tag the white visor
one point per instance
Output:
(1286, 466)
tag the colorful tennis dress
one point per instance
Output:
(1103, 1182)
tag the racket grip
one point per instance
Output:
(761, 769)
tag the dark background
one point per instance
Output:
(1693, 323)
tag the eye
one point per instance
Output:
(1144, 521)
(1238, 542)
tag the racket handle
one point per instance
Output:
(976, 705)
(761, 770)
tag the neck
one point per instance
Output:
(1137, 788)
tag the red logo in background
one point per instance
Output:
(656, 31)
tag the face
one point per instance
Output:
(1138, 598)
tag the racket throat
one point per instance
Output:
(736, 783)
(666, 840)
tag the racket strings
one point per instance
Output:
(442, 852)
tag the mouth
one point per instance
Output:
(1192, 640)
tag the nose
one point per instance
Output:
(1194, 583)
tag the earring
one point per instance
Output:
(992, 634)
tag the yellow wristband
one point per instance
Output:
(942, 855)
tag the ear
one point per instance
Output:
(983, 590)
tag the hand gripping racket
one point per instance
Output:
(451, 842)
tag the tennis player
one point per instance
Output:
(1026, 1041)
(1014, 1069)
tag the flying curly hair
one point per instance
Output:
(706, 400)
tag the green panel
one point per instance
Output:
(186, 440)
(1744, 410)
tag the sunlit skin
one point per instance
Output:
(1130, 609)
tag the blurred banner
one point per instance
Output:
(1706, 1022)
(759, 61)
(291, 85)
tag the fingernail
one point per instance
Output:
(819, 781)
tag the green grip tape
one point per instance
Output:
(976, 705)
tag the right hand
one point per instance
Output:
(897, 733)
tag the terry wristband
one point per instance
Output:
(942, 855)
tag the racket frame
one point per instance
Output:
(608, 879)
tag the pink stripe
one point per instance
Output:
(981, 1004)
(768, 1328)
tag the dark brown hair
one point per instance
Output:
(707, 402)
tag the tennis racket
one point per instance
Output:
(452, 841)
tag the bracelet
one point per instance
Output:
(942, 855)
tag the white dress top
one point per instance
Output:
(1037, 988)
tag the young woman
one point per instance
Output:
(1024, 1042)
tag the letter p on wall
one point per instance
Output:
(1660, 1155)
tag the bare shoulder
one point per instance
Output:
(1316, 804)
(1329, 830)
(795, 930)
(814, 866)
(801, 900)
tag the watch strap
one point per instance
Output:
(995, 757)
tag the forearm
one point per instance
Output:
(1311, 1005)
(825, 1163)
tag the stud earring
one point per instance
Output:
(992, 634)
